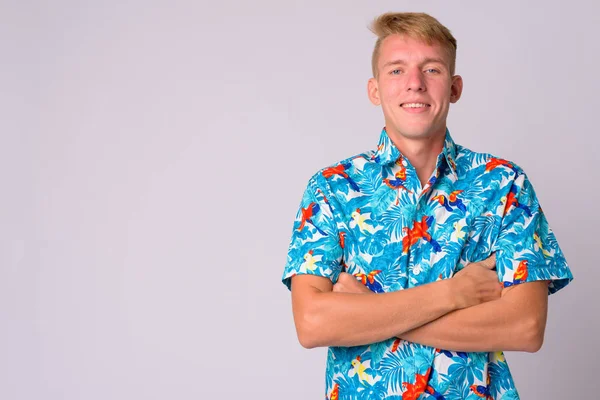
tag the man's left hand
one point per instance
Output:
(347, 283)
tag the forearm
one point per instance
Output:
(328, 318)
(498, 325)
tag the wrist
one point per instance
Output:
(451, 294)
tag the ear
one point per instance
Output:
(456, 88)
(373, 92)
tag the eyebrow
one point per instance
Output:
(425, 61)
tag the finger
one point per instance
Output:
(359, 287)
(343, 275)
(492, 275)
(364, 289)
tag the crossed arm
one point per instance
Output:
(429, 314)
(515, 322)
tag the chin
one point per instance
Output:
(415, 133)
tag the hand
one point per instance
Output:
(347, 283)
(477, 283)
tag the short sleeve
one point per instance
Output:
(526, 248)
(314, 246)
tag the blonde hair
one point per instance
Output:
(419, 26)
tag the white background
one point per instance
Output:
(153, 155)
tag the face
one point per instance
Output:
(414, 87)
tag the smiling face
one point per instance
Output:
(414, 87)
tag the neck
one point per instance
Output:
(422, 153)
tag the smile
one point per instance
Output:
(414, 105)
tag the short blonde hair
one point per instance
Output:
(419, 26)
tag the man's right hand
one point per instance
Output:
(477, 283)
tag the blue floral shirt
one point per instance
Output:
(370, 216)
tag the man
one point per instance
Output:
(419, 262)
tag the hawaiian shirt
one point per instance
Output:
(369, 215)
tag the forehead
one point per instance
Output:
(408, 49)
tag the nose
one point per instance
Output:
(416, 81)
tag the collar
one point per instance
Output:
(387, 152)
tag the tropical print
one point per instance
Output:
(368, 215)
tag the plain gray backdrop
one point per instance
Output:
(153, 155)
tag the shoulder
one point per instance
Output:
(469, 161)
(347, 169)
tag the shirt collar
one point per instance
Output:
(388, 153)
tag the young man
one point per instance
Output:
(419, 262)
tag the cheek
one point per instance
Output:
(440, 92)
(390, 95)
(394, 89)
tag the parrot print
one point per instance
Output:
(520, 274)
(369, 280)
(307, 214)
(369, 215)
(361, 221)
(341, 171)
(451, 200)
(335, 392)
(398, 182)
(481, 391)
(511, 201)
(360, 369)
(419, 231)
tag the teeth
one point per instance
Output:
(414, 105)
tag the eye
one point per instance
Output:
(395, 72)
(432, 71)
